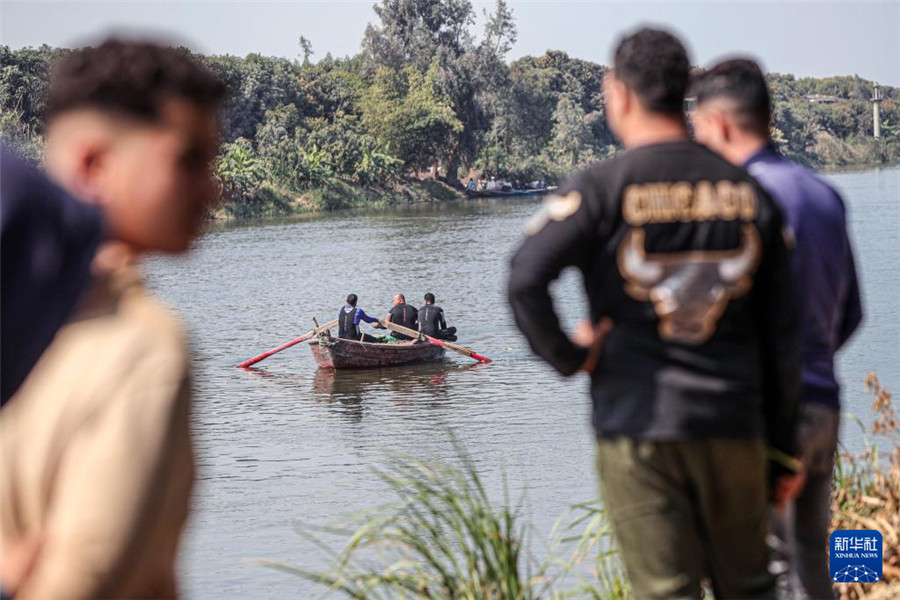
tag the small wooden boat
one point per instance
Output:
(506, 193)
(335, 353)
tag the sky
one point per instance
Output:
(804, 38)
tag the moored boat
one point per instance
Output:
(336, 353)
(507, 193)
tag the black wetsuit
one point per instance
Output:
(348, 329)
(348, 325)
(431, 320)
(686, 254)
(406, 316)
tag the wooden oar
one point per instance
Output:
(302, 338)
(415, 334)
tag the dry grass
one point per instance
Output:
(866, 493)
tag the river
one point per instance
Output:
(286, 444)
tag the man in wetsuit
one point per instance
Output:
(432, 323)
(699, 371)
(733, 114)
(348, 322)
(404, 315)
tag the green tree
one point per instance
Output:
(571, 132)
(405, 112)
(240, 173)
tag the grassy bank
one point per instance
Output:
(866, 492)
(335, 194)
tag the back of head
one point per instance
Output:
(133, 126)
(739, 86)
(130, 78)
(429, 298)
(400, 299)
(352, 299)
(654, 65)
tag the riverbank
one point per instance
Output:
(334, 194)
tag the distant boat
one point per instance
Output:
(336, 353)
(507, 193)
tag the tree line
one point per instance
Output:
(428, 96)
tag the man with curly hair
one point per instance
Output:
(96, 462)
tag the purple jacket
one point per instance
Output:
(827, 285)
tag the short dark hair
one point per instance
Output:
(741, 81)
(654, 64)
(133, 78)
(429, 297)
(352, 299)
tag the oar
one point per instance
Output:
(302, 338)
(455, 347)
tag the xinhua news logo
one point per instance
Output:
(856, 556)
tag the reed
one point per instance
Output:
(866, 492)
(441, 538)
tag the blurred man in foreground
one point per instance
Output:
(96, 454)
(699, 372)
(733, 116)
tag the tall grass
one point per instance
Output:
(866, 492)
(441, 538)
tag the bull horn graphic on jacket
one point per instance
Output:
(689, 290)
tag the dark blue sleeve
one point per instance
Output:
(853, 313)
(48, 242)
(361, 315)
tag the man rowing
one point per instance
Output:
(432, 323)
(404, 315)
(348, 322)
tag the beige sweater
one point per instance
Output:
(95, 451)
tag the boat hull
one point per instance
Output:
(333, 353)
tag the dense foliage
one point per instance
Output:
(428, 95)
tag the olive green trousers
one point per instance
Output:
(688, 509)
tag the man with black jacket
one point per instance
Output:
(684, 254)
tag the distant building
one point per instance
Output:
(821, 99)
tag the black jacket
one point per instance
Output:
(686, 254)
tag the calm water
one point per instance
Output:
(287, 444)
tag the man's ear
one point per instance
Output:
(622, 94)
(90, 168)
(725, 126)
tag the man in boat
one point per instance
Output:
(432, 323)
(348, 322)
(733, 115)
(404, 315)
(96, 458)
(699, 371)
